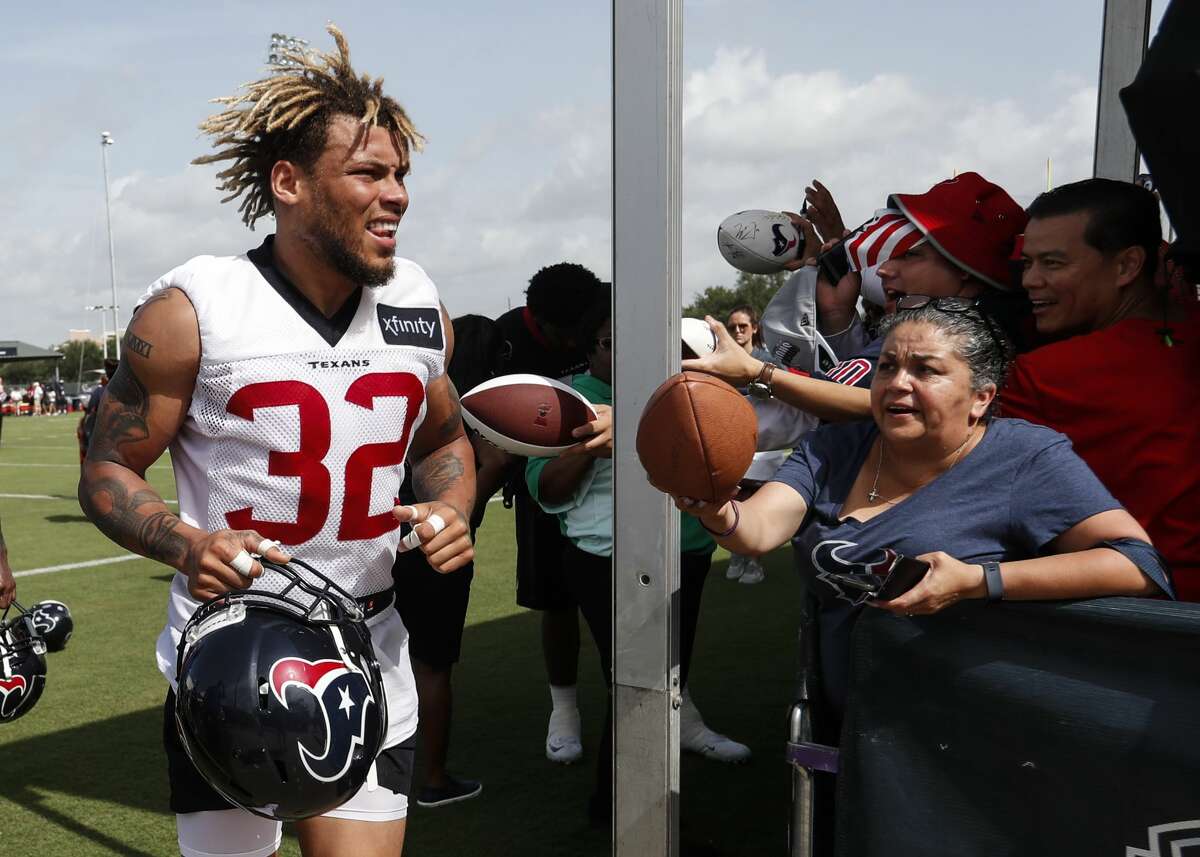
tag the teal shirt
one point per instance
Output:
(587, 517)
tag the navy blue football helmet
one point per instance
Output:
(53, 623)
(22, 664)
(280, 703)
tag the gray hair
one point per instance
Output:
(979, 340)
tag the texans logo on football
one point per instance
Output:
(828, 559)
(343, 697)
(781, 242)
(13, 693)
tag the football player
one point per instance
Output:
(290, 383)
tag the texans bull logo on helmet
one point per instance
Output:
(12, 695)
(43, 620)
(343, 696)
(836, 557)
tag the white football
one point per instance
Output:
(698, 338)
(526, 415)
(758, 241)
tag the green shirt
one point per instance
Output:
(587, 517)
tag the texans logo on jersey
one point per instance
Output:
(12, 694)
(343, 696)
(835, 558)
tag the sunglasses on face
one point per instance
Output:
(955, 305)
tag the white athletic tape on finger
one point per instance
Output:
(412, 540)
(265, 545)
(242, 563)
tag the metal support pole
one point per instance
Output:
(1125, 36)
(647, 132)
(106, 140)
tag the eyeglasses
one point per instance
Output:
(732, 327)
(604, 342)
(958, 306)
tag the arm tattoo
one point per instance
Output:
(122, 416)
(449, 428)
(121, 516)
(136, 344)
(436, 474)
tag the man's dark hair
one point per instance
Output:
(1120, 215)
(598, 312)
(478, 351)
(562, 294)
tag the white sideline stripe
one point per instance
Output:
(70, 565)
(18, 446)
(94, 562)
(69, 466)
(53, 497)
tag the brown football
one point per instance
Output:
(696, 437)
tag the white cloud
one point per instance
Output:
(753, 137)
(524, 191)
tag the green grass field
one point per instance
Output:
(83, 774)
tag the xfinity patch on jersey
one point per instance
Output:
(408, 326)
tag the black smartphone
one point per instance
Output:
(834, 263)
(905, 573)
(901, 576)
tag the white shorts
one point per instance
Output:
(234, 831)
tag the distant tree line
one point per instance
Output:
(81, 358)
(753, 289)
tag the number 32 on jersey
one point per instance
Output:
(307, 463)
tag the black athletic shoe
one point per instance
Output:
(454, 791)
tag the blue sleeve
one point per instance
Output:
(1053, 491)
(808, 467)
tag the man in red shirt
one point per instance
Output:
(1121, 378)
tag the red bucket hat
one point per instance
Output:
(971, 222)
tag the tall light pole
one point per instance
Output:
(106, 140)
(102, 308)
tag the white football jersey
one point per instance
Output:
(299, 425)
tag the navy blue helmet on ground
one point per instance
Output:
(53, 623)
(22, 664)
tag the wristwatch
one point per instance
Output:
(760, 387)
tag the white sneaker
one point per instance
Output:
(753, 573)
(696, 737)
(713, 745)
(563, 741)
(737, 565)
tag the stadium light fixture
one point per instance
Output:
(281, 46)
(106, 140)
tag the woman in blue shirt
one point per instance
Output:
(998, 508)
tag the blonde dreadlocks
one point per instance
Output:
(284, 116)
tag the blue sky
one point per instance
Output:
(514, 98)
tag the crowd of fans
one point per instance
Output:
(1031, 370)
(35, 399)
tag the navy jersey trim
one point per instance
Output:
(330, 329)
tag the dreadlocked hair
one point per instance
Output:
(285, 115)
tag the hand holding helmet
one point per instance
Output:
(291, 727)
